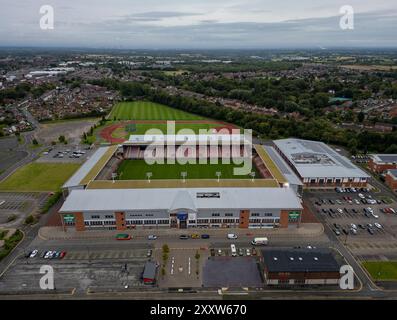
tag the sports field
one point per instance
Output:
(39, 177)
(381, 270)
(137, 169)
(146, 110)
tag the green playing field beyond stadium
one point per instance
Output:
(146, 110)
(137, 169)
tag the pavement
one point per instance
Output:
(57, 233)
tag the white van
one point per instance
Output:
(260, 241)
(233, 250)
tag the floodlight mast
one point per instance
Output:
(218, 174)
(149, 175)
(184, 175)
(252, 174)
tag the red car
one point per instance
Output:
(63, 253)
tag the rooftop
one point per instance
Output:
(393, 172)
(89, 168)
(299, 260)
(282, 166)
(156, 199)
(316, 159)
(384, 158)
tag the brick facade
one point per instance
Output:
(391, 181)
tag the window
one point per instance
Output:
(163, 221)
(268, 214)
(202, 220)
(228, 214)
(255, 215)
(94, 217)
(109, 217)
(216, 214)
(228, 220)
(149, 221)
(216, 221)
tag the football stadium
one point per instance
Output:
(144, 183)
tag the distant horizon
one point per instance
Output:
(199, 25)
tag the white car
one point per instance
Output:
(152, 237)
(361, 196)
(340, 210)
(231, 236)
(370, 210)
(353, 226)
(378, 225)
(33, 253)
(356, 201)
(48, 255)
(248, 252)
(374, 215)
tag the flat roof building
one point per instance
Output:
(380, 163)
(391, 179)
(318, 165)
(181, 208)
(285, 266)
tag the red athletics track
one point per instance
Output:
(107, 132)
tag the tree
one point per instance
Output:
(35, 142)
(62, 139)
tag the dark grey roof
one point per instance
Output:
(300, 260)
(150, 270)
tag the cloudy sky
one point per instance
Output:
(179, 24)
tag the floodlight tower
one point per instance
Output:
(114, 176)
(252, 175)
(184, 175)
(218, 174)
(148, 176)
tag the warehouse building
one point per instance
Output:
(380, 163)
(300, 267)
(318, 165)
(123, 209)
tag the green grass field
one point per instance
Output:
(145, 110)
(381, 270)
(136, 170)
(39, 177)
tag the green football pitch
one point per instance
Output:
(145, 110)
(137, 169)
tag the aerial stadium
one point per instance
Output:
(118, 187)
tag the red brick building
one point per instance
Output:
(391, 179)
(380, 163)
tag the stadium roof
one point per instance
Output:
(316, 159)
(157, 199)
(85, 168)
(283, 166)
(299, 260)
(270, 165)
(184, 138)
(384, 158)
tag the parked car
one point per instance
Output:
(254, 253)
(62, 255)
(247, 252)
(240, 252)
(183, 237)
(345, 231)
(378, 225)
(123, 236)
(370, 231)
(149, 253)
(33, 253)
(219, 252)
(152, 237)
(205, 236)
(212, 252)
(195, 236)
(231, 236)
(361, 196)
(337, 232)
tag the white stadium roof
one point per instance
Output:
(316, 159)
(173, 198)
(79, 175)
(181, 138)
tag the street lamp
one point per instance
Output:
(252, 175)
(218, 174)
(184, 175)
